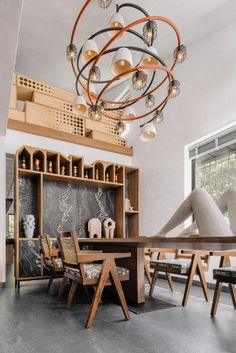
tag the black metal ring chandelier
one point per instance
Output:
(142, 74)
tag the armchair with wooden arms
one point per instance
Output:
(161, 255)
(92, 268)
(51, 260)
(224, 274)
(187, 263)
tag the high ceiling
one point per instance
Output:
(46, 28)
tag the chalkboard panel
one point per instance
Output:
(28, 201)
(69, 207)
(30, 260)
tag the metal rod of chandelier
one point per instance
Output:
(142, 74)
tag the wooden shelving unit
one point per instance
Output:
(115, 182)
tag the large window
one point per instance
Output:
(214, 164)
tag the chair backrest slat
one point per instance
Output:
(44, 246)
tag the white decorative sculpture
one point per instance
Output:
(109, 228)
(95, 228)
(29, 225)
(209, 215)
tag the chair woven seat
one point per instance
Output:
(59, 263)
(229, 272)
(175, 264)
(93, 271)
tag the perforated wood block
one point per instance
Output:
(55, 119)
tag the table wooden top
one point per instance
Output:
(212, 243)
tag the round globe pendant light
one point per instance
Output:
(95, 74)
(150, 32)
(139, 80)
(95, 112)
(71, 52)
(79, 105)
(90, 50)
(104, 4)
(174, 88)
(120, 126)
(148, 132)
(116, 21)
(122, 61)
(158, 117)
(150, 101)
(180, 53)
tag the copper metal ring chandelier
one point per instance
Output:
(141, 74)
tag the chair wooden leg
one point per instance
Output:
(154, 278)
(71, 294)
(202, 280)
(147, 271)
(170, 282)
(62, 288)
(50, 282)
(233, 294)
(120, 292)
(191, 274)
(216, 298)
(98, 293)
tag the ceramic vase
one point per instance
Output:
(29, 225)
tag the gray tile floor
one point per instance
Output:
(33, 322)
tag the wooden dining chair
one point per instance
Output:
(224, 274)
(187, 263)
(51, 259)
(92, 268)
(149, 254)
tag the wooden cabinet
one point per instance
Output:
(63, 193)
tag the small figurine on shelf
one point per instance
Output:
(95, 228)
(116, 177)
(63, 170)
(107, 177)
(50, 167)
(75, 171)
(86, 174)
(109, 228)
(37, 164)
(97, 174)
(23, 163)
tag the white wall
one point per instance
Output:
(207, 103)
(2, 209)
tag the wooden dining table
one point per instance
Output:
(135, 288)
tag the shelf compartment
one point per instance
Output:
(99, 172)
(119, 174)
(110, 173)
(88, 172)
(65, 165)
(52, 163)
(77, 164)
(24, 159)
(40, 156)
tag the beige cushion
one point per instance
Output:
(93, 271)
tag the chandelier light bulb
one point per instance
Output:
(180, 53)
(150, 101)
(104, 4)
(148, 59)
(89, 51)
(71, 52)
(116, 21)
(174, 88)
(79, 105)
(158, 117)
(122, 61)
(139, 80)
(95, 112)
(150, 32)
(148, 132)
(95, 74)
(129, 113)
